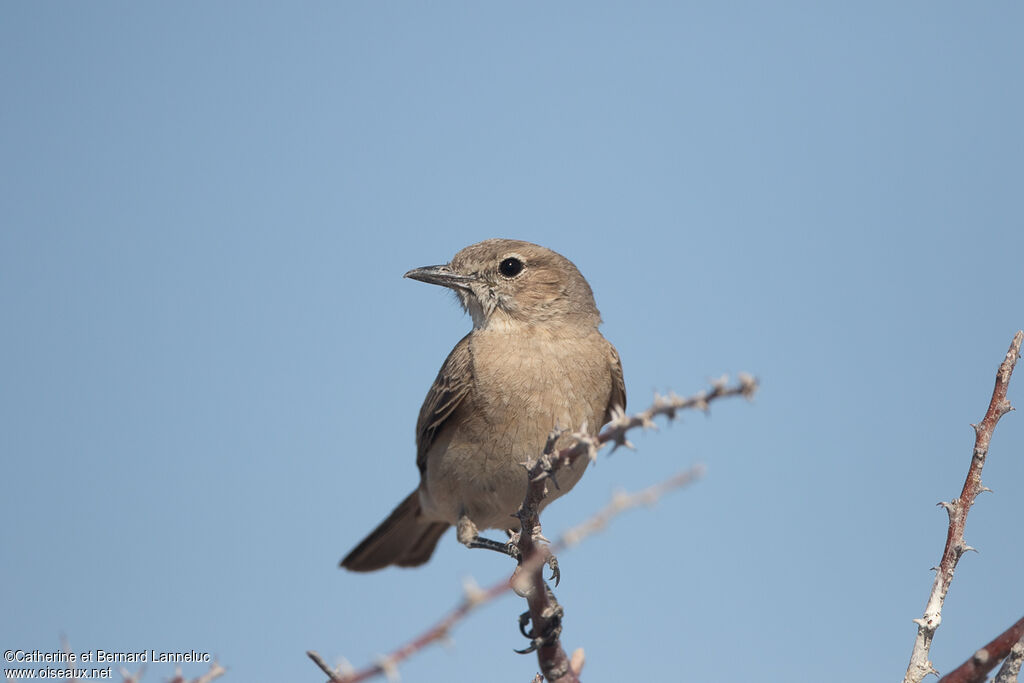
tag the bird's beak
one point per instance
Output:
(441, 275)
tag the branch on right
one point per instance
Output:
(1009, 645)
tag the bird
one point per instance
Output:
(534, 361)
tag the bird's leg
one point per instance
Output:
(503, 548)
(469, 536)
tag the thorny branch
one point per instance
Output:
(920, 666)
(534, 556)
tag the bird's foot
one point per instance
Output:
(551, 631)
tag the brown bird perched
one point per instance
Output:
(533, 361)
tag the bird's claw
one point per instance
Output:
(524, 619)
(552, 630)
(556, 573)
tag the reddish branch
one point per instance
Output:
(975, 669)
(920, 666)
(439, 631)
(1011, 665)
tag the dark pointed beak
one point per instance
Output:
(440, 275)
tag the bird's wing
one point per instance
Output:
(446, 393)
(618, 395)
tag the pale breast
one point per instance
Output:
(528, 384)
(523, 386)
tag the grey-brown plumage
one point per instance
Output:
(534, 359)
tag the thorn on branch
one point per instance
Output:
(621, 440)
(589, 442)
(748, 385)
(553, 437)
(472, 592)
(577, 661)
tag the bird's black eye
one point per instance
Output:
(510, 267)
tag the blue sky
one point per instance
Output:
(211, 365)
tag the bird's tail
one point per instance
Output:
(404, 539)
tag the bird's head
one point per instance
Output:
(511, 283)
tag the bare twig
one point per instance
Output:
(1011, 665)
(475, 596)
(975, 669)
(920, 666)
